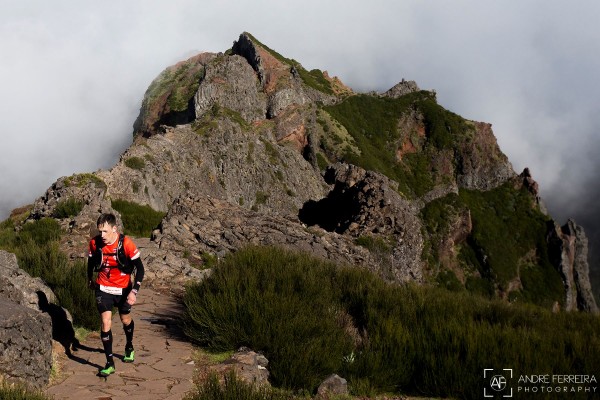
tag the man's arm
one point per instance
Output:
(90, 268)
(91, 265)
(139, 273)
(139, 277)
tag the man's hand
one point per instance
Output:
(131, 297)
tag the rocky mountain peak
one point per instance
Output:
(248, 147)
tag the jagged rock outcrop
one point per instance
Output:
(532, 187)
(25, 332)
(230, 82)
(18, 286)
(481, 164)
(569, 251)
(402, 88)
(366, 203)
(168, 272)
(200, 224)
(280, 79)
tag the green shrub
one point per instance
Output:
(81, 180)
(311, 318)
(138, 220)
(374, 244)
(8, 235)
(233, 388)
(41, 231)
(261, 197)
(68, 208)
(73, 294)
(135, 163)
(322, 161)
(275, 302)
(16, 391)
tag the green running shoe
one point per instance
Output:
(129, 355)
(109, 369)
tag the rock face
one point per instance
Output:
(482, 166)
(25, 343)
(203, 225)
(402, 88)
(366, 204)
(570, 251)
(18, 286)
(25, 332)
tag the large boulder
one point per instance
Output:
(17, 286)
(25, 331)
(25, 344)
(247, 365)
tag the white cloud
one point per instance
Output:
(73, 73)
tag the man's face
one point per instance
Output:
(108, 233)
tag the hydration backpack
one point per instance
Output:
(123, 262)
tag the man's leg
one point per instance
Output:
(128, 326)
(106, 336)
(105, 302)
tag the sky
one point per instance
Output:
(73, 75)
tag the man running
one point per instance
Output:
(115, 257)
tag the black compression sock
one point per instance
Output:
(107, 341)
(129, 334)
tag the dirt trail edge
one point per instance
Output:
(163, 366)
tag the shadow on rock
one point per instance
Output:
(62, 329)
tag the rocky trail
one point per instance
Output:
(163, 366)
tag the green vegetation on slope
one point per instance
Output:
(179, 82)
(311, 318)
(16, 391)
(138, 220)
(511, 233)
(508, 241)
(373, 123)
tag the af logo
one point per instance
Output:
(496, 382)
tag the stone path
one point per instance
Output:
(163, 366)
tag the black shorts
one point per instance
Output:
(106, 302)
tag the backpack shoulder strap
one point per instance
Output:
(98, 242)
(122, 259)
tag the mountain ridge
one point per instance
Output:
(247, 146)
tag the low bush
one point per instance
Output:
(135, 163)
(17, 391)
(68, 208)
(275, 302)
(311, 318)
(232, 388)
(138, 220)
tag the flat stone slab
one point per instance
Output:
(162, 367)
